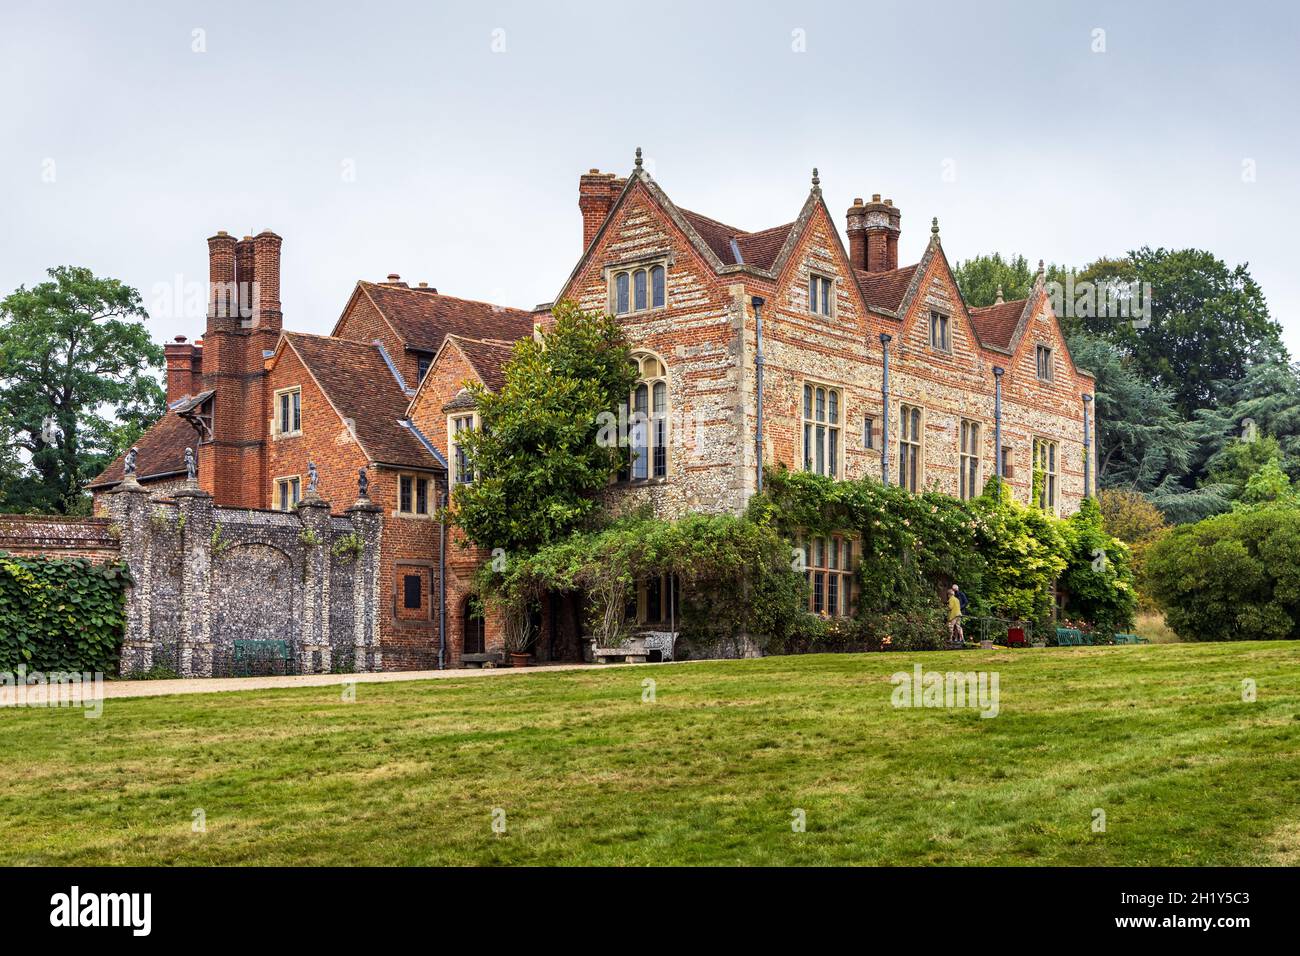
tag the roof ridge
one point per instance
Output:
(443, 295)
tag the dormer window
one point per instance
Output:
(821, 295)
(638, 290)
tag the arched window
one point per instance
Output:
(648, 421)
(474, 631)
(638, 290)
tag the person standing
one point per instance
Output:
(955, 634)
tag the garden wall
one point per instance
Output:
(31, 536)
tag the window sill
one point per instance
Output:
(412, 516)
(638, 313)
(640, 482)
(276, 436)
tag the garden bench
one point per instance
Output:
(1070, 637)
(491, 659)
(1130, 639)
(245, 652)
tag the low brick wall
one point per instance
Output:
(32, 536)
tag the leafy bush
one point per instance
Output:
(1234, 576)
(61, 614)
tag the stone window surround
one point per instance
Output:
(275, 486)
(918, 441)
(837, 442)
(832, 280)
(630, 266)
(276, 433)
(429, 492)
(963, 456)
(452, 418)
(946, 327)
(639, 356)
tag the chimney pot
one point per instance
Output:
(180, 338)
(875, 197)
(394, 277)
(857, 201)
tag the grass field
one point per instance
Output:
(710, 772)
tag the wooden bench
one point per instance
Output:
(492, 659)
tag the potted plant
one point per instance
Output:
(517, 634)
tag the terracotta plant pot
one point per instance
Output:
(518, 659)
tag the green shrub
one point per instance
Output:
(61, 614)
(1234, 576)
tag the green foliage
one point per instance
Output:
(349, 547)
(1007, 557)
(979, 278)
(75, 385)
(537, 460)
(61, 615)
(1133, 519)
(1231, 577)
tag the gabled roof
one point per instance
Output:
(487, 357)
(423, 317)
(885, 290)
(360, 387)
(734, 246)
(996, 325)
(161, 452)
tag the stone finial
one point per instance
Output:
(1040, 267)
(128, 463)
(998, 300)
(934, 227)
(363, 484)
(817, 180)
(638, 157)
(191, 466)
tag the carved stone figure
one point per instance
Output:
(363, 483)
(128, 463)
(312, 477)
(191, 466)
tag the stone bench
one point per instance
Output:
(491, 659)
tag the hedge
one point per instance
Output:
(60, 614)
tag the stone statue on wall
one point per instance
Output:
(191, 466)
(363, 483)
(313, 478)
(128, 463)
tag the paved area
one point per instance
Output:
(216, 685)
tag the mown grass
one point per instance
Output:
(710, 772)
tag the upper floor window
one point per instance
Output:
(939, 332)
(638, 290)
(821, 430)
(821, 295)
(413, 494)
(1045, 474)
(648, 422)
(457, 425)
(909, 447)
(422, 362)
(288, 411)
(869, 432)
(1043, 354)
(288, 491)
(969, 460)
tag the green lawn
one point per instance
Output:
(710, 772)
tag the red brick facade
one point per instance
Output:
(362, 402)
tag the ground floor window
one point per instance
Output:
(288, 492)
(655, 601)
(411, 593)
(829, 563)
(475, 628)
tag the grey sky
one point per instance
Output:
(466, 160)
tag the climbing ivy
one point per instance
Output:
(61, 614)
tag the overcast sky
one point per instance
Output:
(443, 141)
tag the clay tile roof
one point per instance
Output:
(885, 290)
(996, 324)
(358, 382)
(756, 248)
(161, 452)
(423, 317)
(488, 358)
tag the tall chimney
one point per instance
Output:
(223, 296)
(596, 195)
(245, 279)
(873, 234)
(180, 368)
(266, 273)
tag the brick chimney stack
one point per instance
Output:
(180, 368)
(244, 277)
(873, 234)
(223, 295)
(596, 194)
(266, 273)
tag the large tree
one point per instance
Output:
(538, 456)
(75, 383)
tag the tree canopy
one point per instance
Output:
(75, 385)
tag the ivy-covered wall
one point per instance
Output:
(61, 614)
